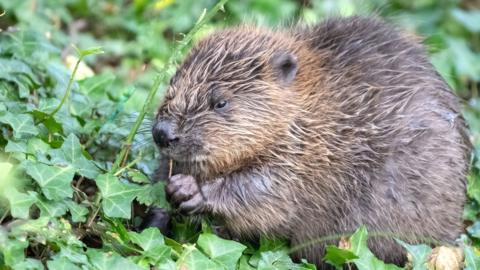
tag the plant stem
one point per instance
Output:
(4, 216)
(121, 157)
(69, 87)
(129, 165)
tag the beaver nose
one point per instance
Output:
(164, 133)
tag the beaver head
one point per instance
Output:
(230, 100)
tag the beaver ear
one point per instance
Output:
(285, 66)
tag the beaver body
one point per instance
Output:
(309, 132)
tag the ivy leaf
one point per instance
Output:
(366, 259)
(36, 147)
(224, 252)
(154, 195)
(13, 251)
(147, 239)
(71, 153)
(473, 187)
(20, 203)
(30, 264)
(77, 211)
(419, 254)
(94, 87)
(472, 260)
(275, 260)
(22, 124)
(11, 67)
(48, 120)
(109, 261)
(16, 147)
(74, 255)
(51, 208)
(474, 230)
(48, 105)
(54, 181)
(166, 265)
(243, 263)
(338, 256)
(138, 177)
(152, 242)
(470, 19)
(193, 259)
(62, 263)
(304, 265)
(116, 196)
(273, 253)
(18, 72)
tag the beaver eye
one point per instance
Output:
(220, 105)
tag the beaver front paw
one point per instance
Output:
(184, 194)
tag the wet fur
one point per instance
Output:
(367, 133)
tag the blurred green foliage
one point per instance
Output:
(50, 210)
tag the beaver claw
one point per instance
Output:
(184, 194)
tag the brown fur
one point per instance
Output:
(367, 133)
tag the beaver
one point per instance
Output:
(312, 131)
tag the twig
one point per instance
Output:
(170, 168)
(93, 216)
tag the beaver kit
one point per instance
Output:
(313, 131)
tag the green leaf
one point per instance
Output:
(16, 147)
(89, 51)
(138, 177)
(30, 264)
(13, 251)
(109, 261)
(472, 261)
(193, 259)
(474, 230)
(243, 263)
(5, 168)
(48, 105)
(18, 72)
(304, 265)
(464, 60)
(366, 260)
(62, 263)
(419, 254)
(48, 120)
(166, 265)
(154, 195)
(224, 252)
(54, 181)
(470, 19)
(22, 124)
(152, 242)
(36, 146)
(147, 239)
(71, 153)
(338, 257)
(274, 260)
(269, 252)
(51, 208)
(267, 244)
(73, 254)
(117, 197)
(94, 87)
(78, 211)
(473, 187)
(20, 203)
